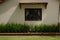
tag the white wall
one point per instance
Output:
(10, 12)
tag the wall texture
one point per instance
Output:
(10, 12)
(30, 1)
(59, 11)
(7, 9)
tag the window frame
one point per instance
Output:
(40, 9)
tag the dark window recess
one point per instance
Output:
(33, 14)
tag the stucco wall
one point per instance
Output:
(59, 11)
(52, 12)
(7, 9)
(10, 12)
(32, 1)
(19, 15)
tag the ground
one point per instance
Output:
(29, 37)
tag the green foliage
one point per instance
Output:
(14, 28)
(27, 28)
(46, 28)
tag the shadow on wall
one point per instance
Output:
(4, 7)
(49, 16)
(19, 17)
(16, 17)
(7, 9)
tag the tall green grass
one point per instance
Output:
(6, 28)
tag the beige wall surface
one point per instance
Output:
(30, 1)
(7, 9)
(59, 11)
(10, 12)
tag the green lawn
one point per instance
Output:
(29, 37)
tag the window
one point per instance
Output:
(33, 14)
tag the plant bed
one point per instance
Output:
(28, 29)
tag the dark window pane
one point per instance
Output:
(33, 14)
